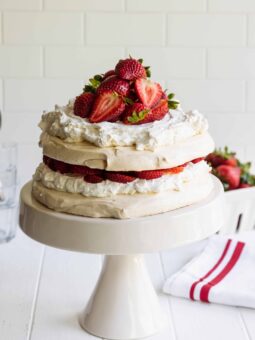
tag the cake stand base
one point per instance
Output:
(124, 304)
(125, 307)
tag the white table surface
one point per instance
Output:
(43, 289)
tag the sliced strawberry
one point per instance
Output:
(136, 114)
(148, 92)
(115, 84)
(175, 170)
(107, 106)
(130, 69)
(230, 175)
(109, 74)
(46, 160)
(120, 177)
(92, 178)
(61, 167)
(83, 104)
(197, 160)
(85, 170)
(150, 174)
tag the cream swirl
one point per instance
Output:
(73, 184)
(175, 127)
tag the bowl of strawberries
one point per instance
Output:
(235, 175)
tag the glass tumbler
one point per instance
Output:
(8, 191)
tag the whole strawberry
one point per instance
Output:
(230, 175)
(136, 114)
(130, 69)
(220, 157)
(159, 111)
(113, 83)
(83, 104)
(108, 74)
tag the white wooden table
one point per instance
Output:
(41, 290)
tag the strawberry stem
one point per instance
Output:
(137, 116)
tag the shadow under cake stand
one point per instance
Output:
(124, 304)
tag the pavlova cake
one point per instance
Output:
(123, 148)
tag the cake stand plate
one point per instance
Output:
(124, 304)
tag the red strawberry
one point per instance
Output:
(150, 174)
(130, 69)
(230, 175)
(244, 185)
(148, 92)
(61, 167)
(159, 111)
(120, 177)
(215, 160)
(164, 95)
(197, 160)
(107, 106)
(230, 161)
(115, 84)
(46, 160)
(109, 74)
(136, 114)
(84, 170)
(90, 178)
(175, 170)
(83, 104)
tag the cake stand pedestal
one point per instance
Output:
(124, 304)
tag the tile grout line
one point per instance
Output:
(34, 303)
(174, 334)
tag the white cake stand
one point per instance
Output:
(124, 304)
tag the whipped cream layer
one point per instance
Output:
(175, 127)
(73, 184)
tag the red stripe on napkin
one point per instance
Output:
(192, 289)
(204, 292)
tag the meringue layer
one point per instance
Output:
(127, 158)
(124, 206)
(174, 128)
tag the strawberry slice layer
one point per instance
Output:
(148, 91)
(91, 175)
(108, 106)
(120, 177)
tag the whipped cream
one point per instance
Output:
(175, 127)
(73, 184)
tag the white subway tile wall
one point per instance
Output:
(203, 50)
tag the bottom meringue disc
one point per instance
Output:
(124, 206)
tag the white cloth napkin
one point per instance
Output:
(223, 273)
